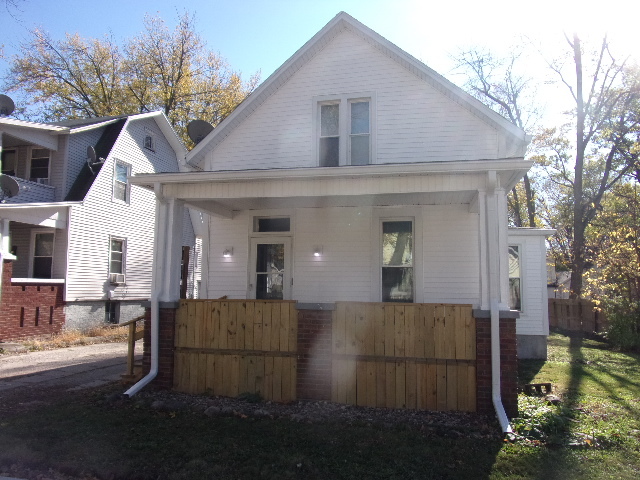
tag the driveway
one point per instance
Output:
(70, 369)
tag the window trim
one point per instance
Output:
(521, 277)
(127, 189)
(396, 214)
(344, 119)
(30, 157)
(32, 249)
(124, 255)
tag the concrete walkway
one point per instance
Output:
(74, 368)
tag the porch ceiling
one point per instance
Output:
(44, 215)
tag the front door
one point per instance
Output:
(270, 276)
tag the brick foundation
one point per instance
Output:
(314, 355)
(167, 324)
(508, 366)
(29, 309)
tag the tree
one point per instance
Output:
(605, 123)
(495, 82)
(159, 69)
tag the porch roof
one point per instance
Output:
(54, 214)
(435, 183)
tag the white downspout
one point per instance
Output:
(159, 242)
(494, 299)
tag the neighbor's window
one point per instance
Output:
(116, 255)
(397, 261)
(120, 183)
(330, 135)
(359, 147)
(39, 170)
(43, 255)
(9, 162)
(149, 143)
(515, 275)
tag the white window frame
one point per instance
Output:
(127, 189)
(32, 249)
(124, 254)
(344, 119)
(519, 246)
(287, 278)
(148, 134)
(42, 180)
(396, 214)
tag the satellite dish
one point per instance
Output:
(9, 186)
(92, 158)
(6, 105)
(198, 129)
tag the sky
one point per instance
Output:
(256, 35)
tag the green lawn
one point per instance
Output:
(593, 433)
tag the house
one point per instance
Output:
(357, 237)
(77, 238)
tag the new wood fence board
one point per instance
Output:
(250, 315)
(411, 385)
(389, 331)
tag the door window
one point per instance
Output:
(271, 279)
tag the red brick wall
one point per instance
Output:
(508, 366)
(27, 309)
(314, 355)
(166, 345)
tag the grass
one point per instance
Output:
(69, 338)
(593, 433)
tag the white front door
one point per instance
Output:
(270, 268)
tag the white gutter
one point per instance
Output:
(494, 295)
(155, 303)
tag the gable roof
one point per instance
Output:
(345, 22)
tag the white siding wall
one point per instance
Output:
(449, 252)
(56, 167)
(415, 123)
(534, 318)
(99, 217)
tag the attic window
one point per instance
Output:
(149, 142)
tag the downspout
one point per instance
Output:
(154, 300)
(494, 296)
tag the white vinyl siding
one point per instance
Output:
(413, 121)
(98, 218)
(534, 318)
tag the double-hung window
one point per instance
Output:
(515, 278)
(344, 130)
(120, 183)
(42, 254)
(9, 162)
(116, 255)
(397, 261)
(39, 169)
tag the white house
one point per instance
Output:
(74, 223)
(355, 173)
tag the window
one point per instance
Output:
(149, 144)
(330, 135)
(344, 130)
(359, 139)
(42, 254)
(39, 170)
(397, 261)
(111, 311)
(515, 283)
(120, 183)
(116, 256)
(9, 162)
(271, 224)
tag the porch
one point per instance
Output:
(393, 355)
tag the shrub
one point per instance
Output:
(624, 323)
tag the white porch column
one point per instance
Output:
(168, 253)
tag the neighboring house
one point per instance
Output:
(77, 239)
(357, 174)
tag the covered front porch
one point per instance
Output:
(394, 272)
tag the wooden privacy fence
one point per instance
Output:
(577, 315)
(229, 347)
(418, 356)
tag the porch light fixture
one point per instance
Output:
(228, 252)
(317, 251)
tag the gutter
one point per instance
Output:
(155, 303)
